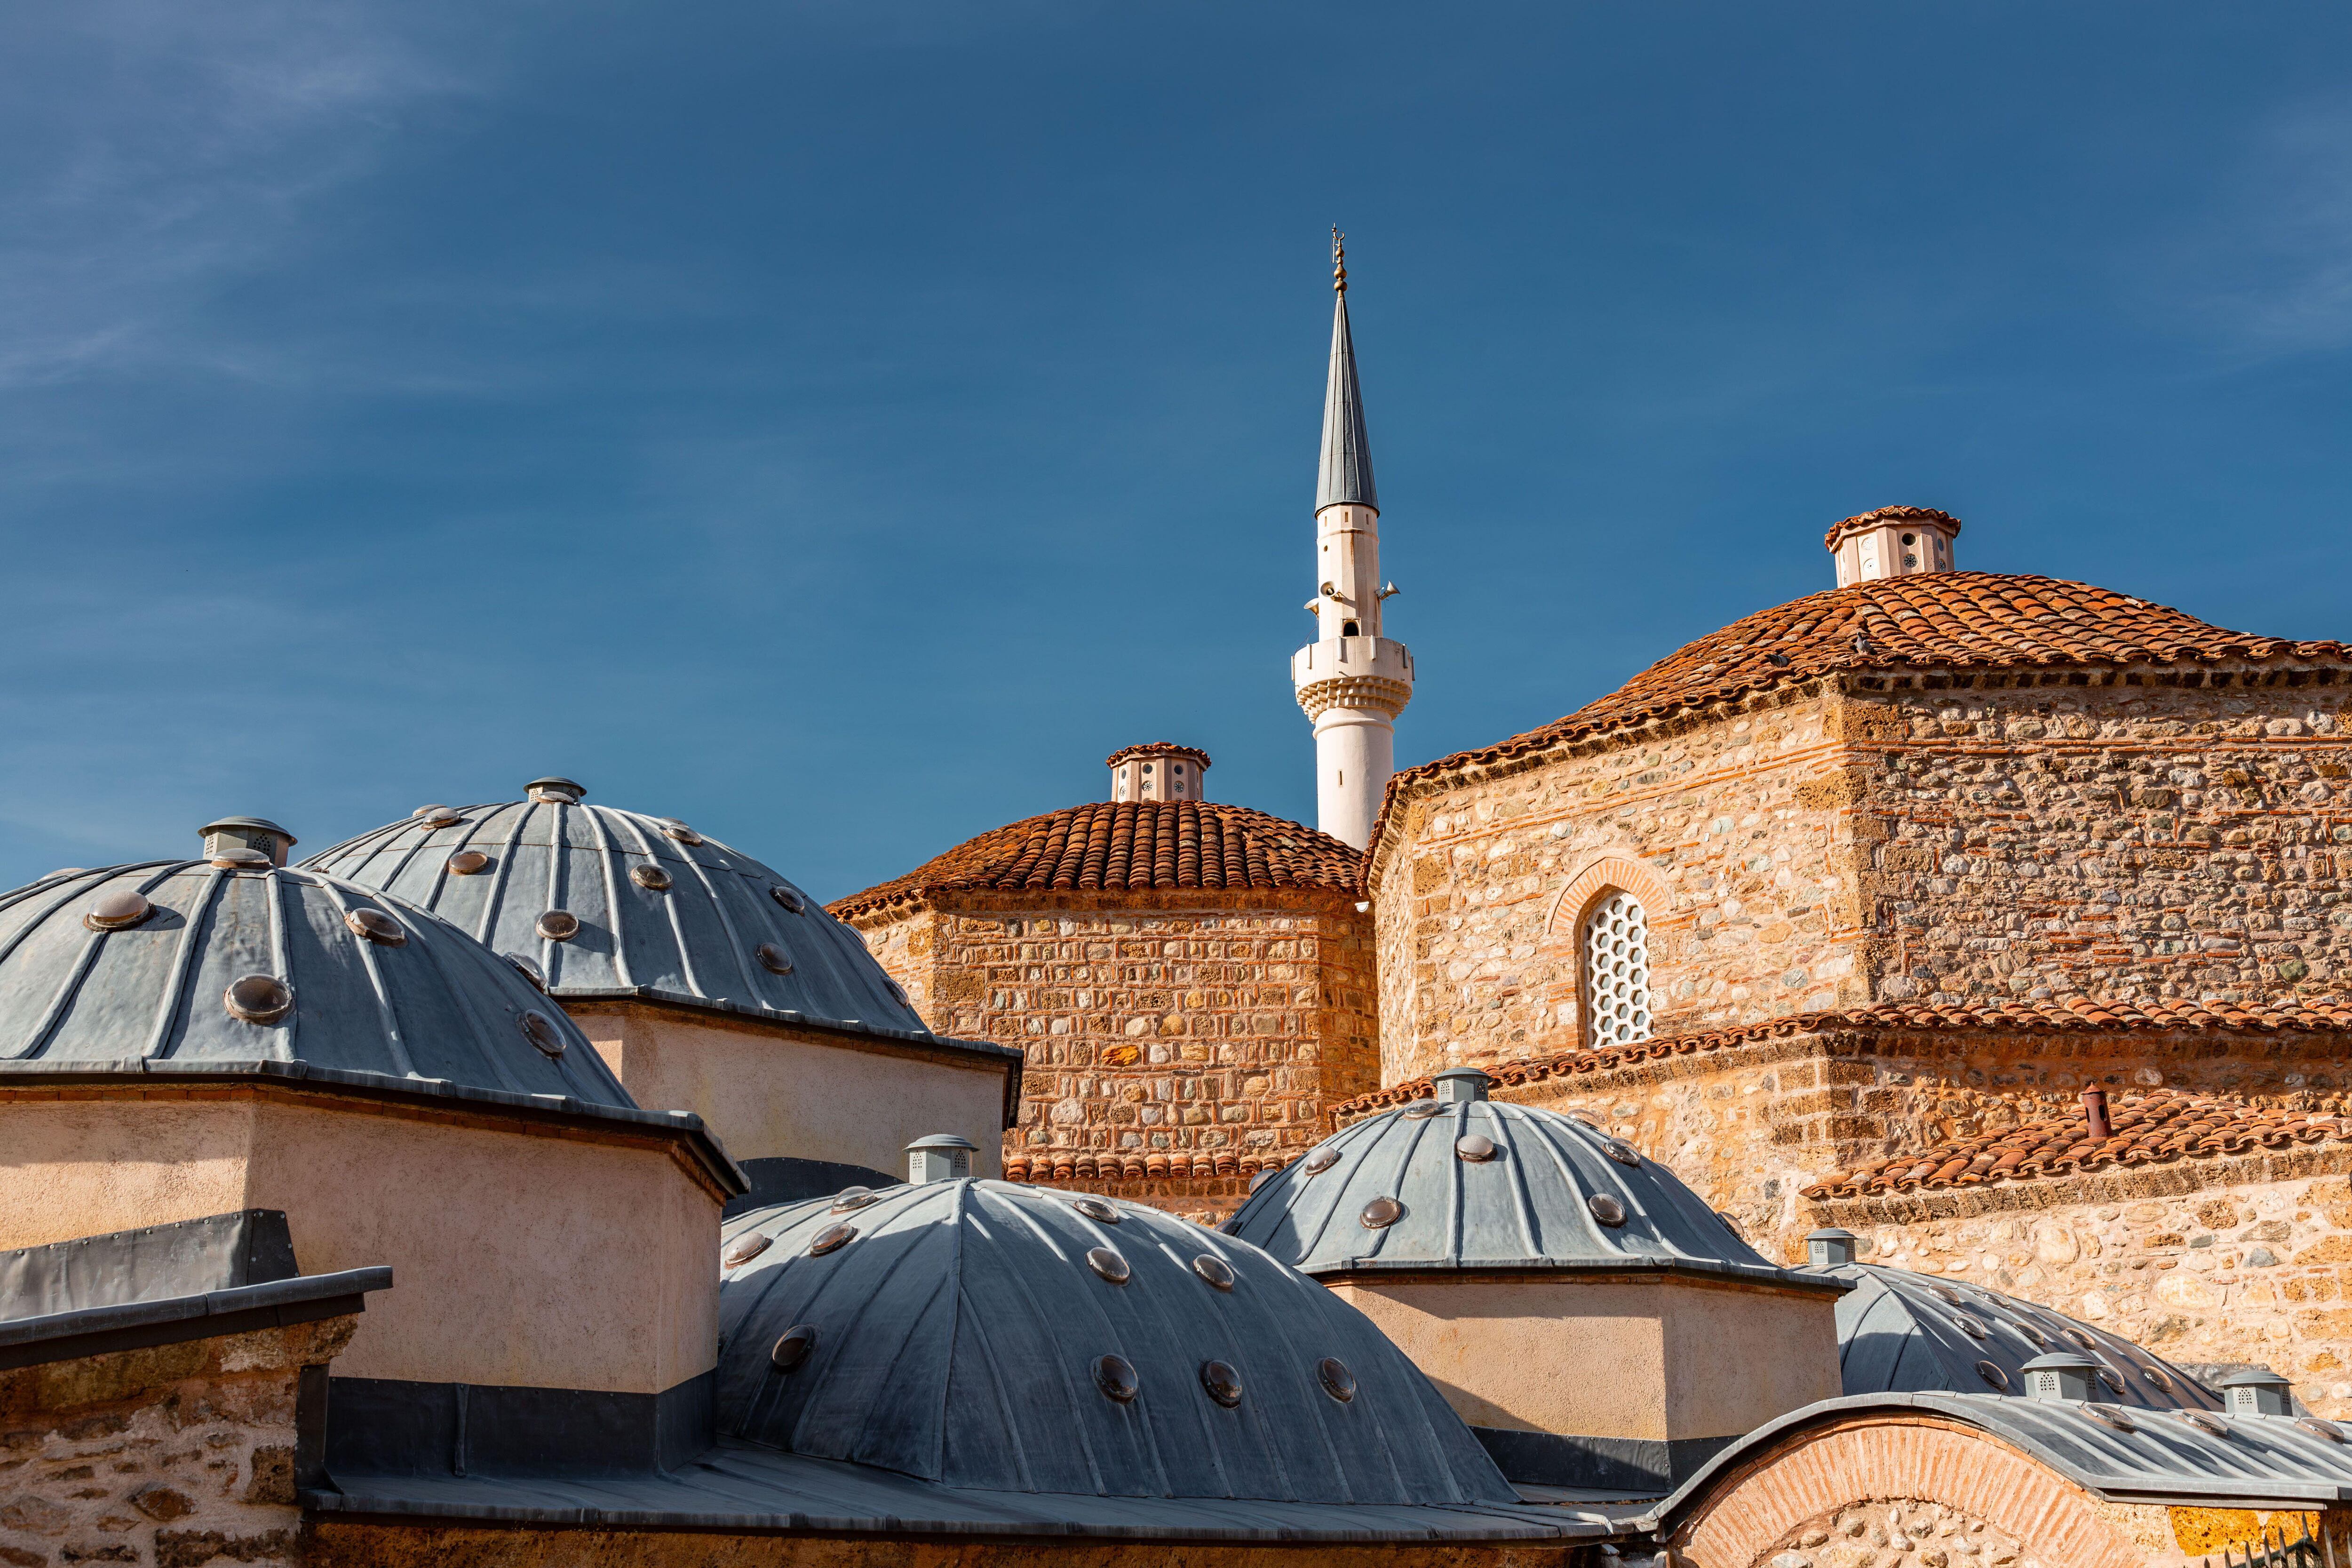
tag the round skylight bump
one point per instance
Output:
(746, 1248)
(258, 998)
(1606, 1209)
(2112, 1378)
(1475, 1148)
(421, 812)
(2080, 1338)
(1108, 1265)
(1321, 1161)
(540, 1031)
(1993, 1375)
(2107, 1416)
(2319, 1428)
(1421, 1109)
(2157, 1376)
(440, 817)
(558, 925)
(118, 910)
(789, 899)
(832, 1238)
(773, 958)
(2032, 1332)
(851, 1199)
(467, 863)
(2202, 1422)
(66, 871)
(1262, 1178)
(1337, 1379)
(1214, 1271)
(528, 969)
(793, 1348)
(1221, 1383)
(377, 927)
(1115, 1376)
(1624, 1154)
(1946, 1293)
(1972, 1327)
(681, 831)
(1381, 1213)
(1094, 1208)
(651, 878)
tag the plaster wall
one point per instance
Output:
(1641, 1358)
(769, 1090)
(538, 1257)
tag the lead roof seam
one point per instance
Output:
(1369, 1136)
(1598, 1233)
(175, 984)
(400, 1056)
(487, 932)
(735, 944)
(491, 962)
(1271, 1322)
(988, 1366)
(550, 957)
(70, 986)
(954, 1275)
(946, 1283)
(16, 940)
(1395, 1184)
(1154, 1303)
(1070, 1392)
(289, 1029)
(1457, 1187)
(605, 857)
(1523, 1202)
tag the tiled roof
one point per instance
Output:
(1154, 749)
(1132, 845)
(1937, 620)
(2160, 1126)
(1878, 516)
(2074, 1014)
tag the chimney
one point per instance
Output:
(2258, 1390)
(1457, 1086)
(1830, 1248)
(940, 1157)
(232, 838)
(2095, 1113)
(2062, 1374)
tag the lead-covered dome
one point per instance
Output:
(613, 903)
(235, 964)
(999, 1337)
(1462, 1182)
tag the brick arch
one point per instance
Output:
(1586, 887)
(1745, 1516)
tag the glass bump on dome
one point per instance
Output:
(2107, 1416)
(1337, 1379)
(540, 1031)
(1263, 1177)
(2082, 1339)
(1606, 1209)
(1474, 1147)
(1108, 1265)
(1993, 1374)
(773, 958)
(1094, 1208)
(1624, 1154)
(789, 899)
(747, 1248)
(1221, 1383)
(1321, 1161)
(424, 812)
(1381, 1213)
(1115, 1376)
(377, 927)
(528, 969)
(1216, 1271)
(832, 1238)
(653, 878)
(441, 818)
(793, 1347)
(2320, 1429)
(2203, 1423)
(258, 999)
(851, 1199)
(1420, 1110)
(119, 909)
(469, 862)
(1972, 1327)
(557, 925)
(681, 831)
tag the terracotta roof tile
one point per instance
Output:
(2074, 1014)
(2154, 1128)
(1937, 620)
(1129, 845)
(1861, 522)
(1154, 749)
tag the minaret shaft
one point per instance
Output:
(1350, 680)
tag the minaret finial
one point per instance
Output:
(1338, 260)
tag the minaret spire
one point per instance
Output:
(1351, 681)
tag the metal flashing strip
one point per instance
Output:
(682, 1124)
(1628, 1464)
(1790, 1279)
(740, 1488)
(276, 1303)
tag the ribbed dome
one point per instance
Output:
(663, 913)
(1900, 1332)
(1486, 1185)
(958, 1336)
(191, 965)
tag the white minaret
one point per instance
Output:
(1351, 681)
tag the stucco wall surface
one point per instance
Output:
(523, 1255)
(174, 1456)
(768, 1091)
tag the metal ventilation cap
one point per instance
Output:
(254, 833)
(1830, 1248)
(940, 1157)
(2258, 1390)
(2061, 1374)
(1455, 1085)
(553, 788)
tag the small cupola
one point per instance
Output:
(1830, 1248)
(2258, 1390)
(232, 839)
(2059, 1375)
(1892, 542)
(1159, 769)
(1459, 1086)
(941, 1157)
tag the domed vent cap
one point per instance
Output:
(255, 833)
(998, 1337)
(1467, 1183)
(613, 903)
(196, 965)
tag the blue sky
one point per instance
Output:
(841, 425)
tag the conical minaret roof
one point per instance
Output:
(1347, 470)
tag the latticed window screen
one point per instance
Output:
(1617, 971)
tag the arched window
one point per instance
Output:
(1616, 971)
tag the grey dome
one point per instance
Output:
(1900, 1332)
(956, 1337)
(1530, 1206)
(697, 941)
(429, 1005)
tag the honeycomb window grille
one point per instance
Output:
(1616, 971)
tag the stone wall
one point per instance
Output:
(2206, 1262)
(173, 1456)
(1160, 1029)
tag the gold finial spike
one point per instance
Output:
(1338, 260)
